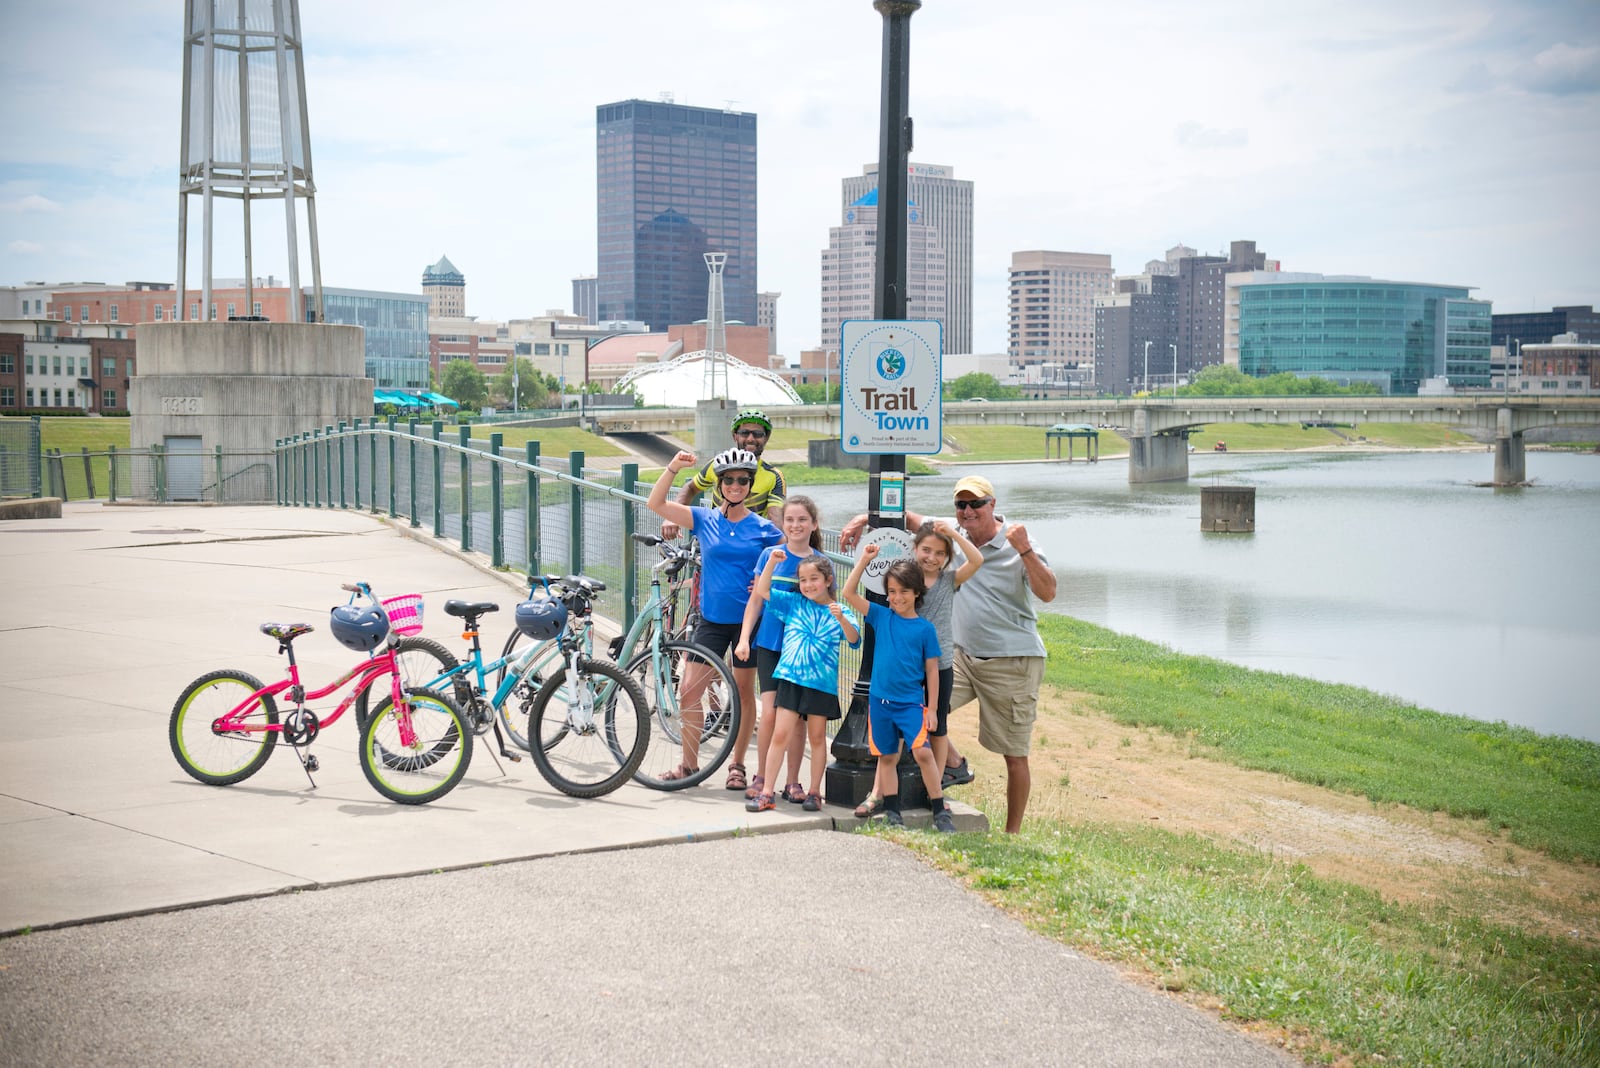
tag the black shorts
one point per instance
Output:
(718, 638)
(806, 702)
(766, 664)
(947, 682)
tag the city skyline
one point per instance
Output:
(1453, 144)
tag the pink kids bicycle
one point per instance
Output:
(414, 744)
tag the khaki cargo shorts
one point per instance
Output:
(1007, 691)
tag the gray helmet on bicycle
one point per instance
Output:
(733, 460)
(362, 628)
(542, 618)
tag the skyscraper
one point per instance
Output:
(1051, 309)
(849, 262)
(945, 204)
(446, 290)
(674, 182)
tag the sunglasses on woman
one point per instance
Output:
(736, 480)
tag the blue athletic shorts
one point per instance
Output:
(893, 722)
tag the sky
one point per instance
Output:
(1453, 142)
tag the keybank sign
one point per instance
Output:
(889, 394)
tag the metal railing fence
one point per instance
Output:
(527, 513)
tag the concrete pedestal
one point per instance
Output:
(1228, 509)
(244, 386)
(713, 426)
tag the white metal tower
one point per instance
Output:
(716, 373)
(245, 134)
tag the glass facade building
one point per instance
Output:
(674, 182)
(394, 327)
(1394, 335)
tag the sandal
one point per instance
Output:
(870, 807)
(812, 803)
(736, 778)
(758, 783)
(794, 793)
(682, 771)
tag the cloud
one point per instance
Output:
(1561, 70)
(24, 247)
(31, 204)
(1193, 135)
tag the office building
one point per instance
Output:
(1348, 328)
(1201, 294)
(1564, 365)
(394, 328)
(767, 316)
(1136, 327)
(446, 290)
(850, 260)
(1050, 310)
(586, 299)
(944, 203)
(674, 182)
(1540, 328)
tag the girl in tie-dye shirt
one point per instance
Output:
(808, 668)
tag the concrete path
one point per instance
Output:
(812, 945)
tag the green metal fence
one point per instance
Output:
(526, 512)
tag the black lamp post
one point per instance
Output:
(850, 776)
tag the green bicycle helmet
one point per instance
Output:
(752, 415)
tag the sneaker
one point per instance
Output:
(943, 822)
(892, 818)
(959, 775)
(761, 803)
(812, 803)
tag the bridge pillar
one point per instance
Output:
(1156, 456)
(713, 429)
(1510, 452)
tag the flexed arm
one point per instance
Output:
(852, 585)
(671, 511)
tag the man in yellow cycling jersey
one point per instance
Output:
(751, 430)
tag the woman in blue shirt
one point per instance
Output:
(731, 539)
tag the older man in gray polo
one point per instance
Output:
(999, 656)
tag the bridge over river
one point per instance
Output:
(1158, 427)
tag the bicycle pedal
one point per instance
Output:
(513, 757)
(312, 763)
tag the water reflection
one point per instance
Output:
(1391, 571)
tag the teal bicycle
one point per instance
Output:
(592, 722)
(692, 699)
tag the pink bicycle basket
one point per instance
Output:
(405, 613)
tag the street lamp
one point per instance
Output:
(1147, 367)
(1174, 349)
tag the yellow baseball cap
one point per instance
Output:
(976, 485)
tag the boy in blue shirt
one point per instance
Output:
(904, 670)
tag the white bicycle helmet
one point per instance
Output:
(733, 460)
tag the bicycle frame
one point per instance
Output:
(380, 665)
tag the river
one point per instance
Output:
(1390, 571)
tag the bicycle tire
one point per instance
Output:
(593, 759)
(421, 661)
(432, 765)
(514, 711)
(213, 758)
(659, 679)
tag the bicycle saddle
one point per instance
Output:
(469, 609)
(286, 632)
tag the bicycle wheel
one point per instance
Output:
(421, 661)
(429, 764)
(711, 722)
(221, 757)
(593, 732)
(514, 711)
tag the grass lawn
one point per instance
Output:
(1338, 972)
(554, 442)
